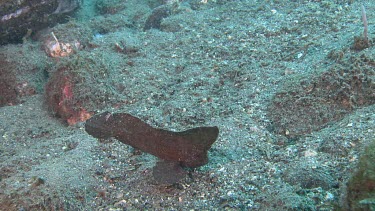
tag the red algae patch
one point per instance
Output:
(62, 100)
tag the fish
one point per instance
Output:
(186, 148)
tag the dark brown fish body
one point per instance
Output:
(189, 147)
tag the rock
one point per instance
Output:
(8, 81)
(21, 73)
(309, 175)
(157, 15)
(20, 19)
(360, 194)
(62, 98)
(310, 103)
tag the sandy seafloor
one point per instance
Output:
(211, 63)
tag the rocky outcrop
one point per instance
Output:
(20, 19)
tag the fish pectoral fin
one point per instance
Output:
(168, 172)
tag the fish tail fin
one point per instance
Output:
(202, 137)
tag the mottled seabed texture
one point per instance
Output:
(190, 105)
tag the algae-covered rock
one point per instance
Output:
(19, 19)
(310, 103)
(361, 186)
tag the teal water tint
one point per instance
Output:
(289, 85)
